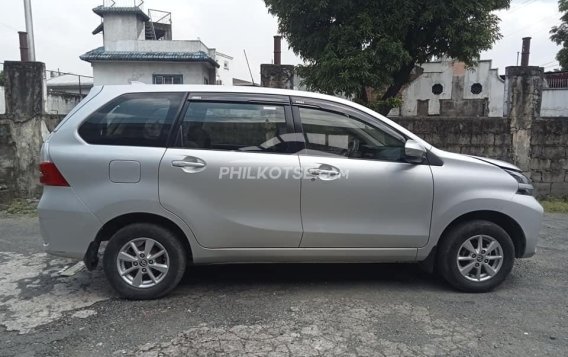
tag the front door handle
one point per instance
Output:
(318, 172)
(325, 172)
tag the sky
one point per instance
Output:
(63, 31)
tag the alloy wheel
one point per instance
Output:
(480, 258)
(143, 262)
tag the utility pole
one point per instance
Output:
(251, 77)
(30, 29)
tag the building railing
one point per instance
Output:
(160, 17)
(557, 82)
(123, 3)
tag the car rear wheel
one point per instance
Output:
(144, 261)
(476, 256)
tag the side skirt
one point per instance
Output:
(304, 255)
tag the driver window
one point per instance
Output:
(337, 134)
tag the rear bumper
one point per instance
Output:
(66, 224)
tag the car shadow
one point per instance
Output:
(227, 275)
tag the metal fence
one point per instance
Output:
(73, 83)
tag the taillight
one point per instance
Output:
(50, 175)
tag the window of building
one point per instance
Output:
(476, 88)
(437, 89)
(137, 119)
(234, 126)
(167, 79)
(333, 133)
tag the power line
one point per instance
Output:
(547, 63)
(521, 5)
(8, 26)
(535, 23)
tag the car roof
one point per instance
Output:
(140, 87)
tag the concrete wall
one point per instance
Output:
(536, 145)
(549, 156)
(159, 46)
(2, 101)
(491, 137)
(126, 72)
(122, 27)
(488, 137)
(277, 76)
(554, 103)
(62, 103)
(22, 129)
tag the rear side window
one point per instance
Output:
(243, 127)
(136, 119)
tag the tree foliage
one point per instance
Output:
(559, 34)
(1, 78)
(351, 45)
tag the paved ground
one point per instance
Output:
(282, 310)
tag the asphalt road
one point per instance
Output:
(282, 310)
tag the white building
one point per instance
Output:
(448, 88)
(224, 72)
(138, 47)
(68, 83)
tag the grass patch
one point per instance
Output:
(555, 205)
(22, 207)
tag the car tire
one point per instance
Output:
(464, 259)
(144, 261)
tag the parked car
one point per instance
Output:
(170, 176)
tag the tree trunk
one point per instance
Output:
(363, 97)
(399, 80)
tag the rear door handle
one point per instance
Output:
(192, 164)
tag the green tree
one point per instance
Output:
(351, 45)
(559, 34)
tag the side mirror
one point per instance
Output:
(414, 152)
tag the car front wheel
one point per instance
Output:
(476, 256)
(144, 261)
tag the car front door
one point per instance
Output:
(358, 191)
(228, 173)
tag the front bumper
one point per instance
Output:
(528, 213)
(66, 224)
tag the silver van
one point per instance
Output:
(170, 176)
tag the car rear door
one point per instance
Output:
(358, 191)
(228, 171)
